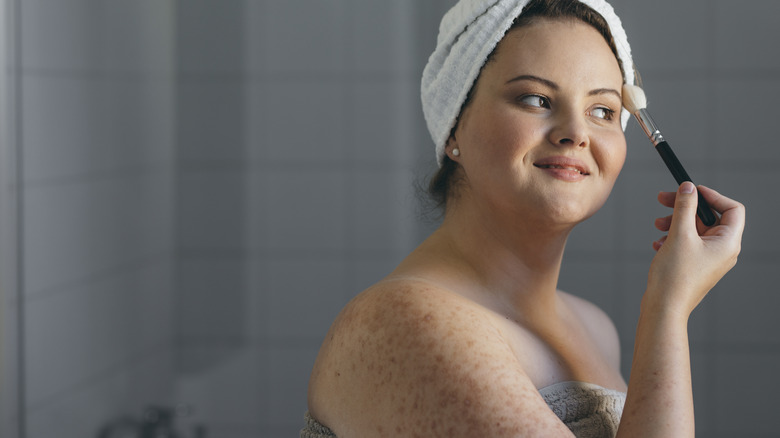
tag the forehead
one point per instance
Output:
(557, 49)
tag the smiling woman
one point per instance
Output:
(469, 335)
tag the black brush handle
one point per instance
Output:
(680, 175)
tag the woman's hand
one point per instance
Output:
(692, 258)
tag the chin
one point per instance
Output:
(570, 212)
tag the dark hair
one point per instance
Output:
(442, 186)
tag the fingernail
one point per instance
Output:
(687, 187)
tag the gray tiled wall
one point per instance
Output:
(294, 191)
(96, 137)
(191, 238)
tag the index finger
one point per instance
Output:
(731, 211)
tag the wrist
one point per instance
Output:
(658, 308)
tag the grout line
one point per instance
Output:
(711, 137)
(92, 74)
(17, 123)
(253, 342)
(349, 108)
(110, 175)
(282, 254)
(288, 166)
(736, 347)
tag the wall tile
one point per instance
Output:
(380, 123)
(303, 298)
(686, 28)
(702, 372)
(140, 126)
(298, 122)
(211, 296)
(225, 391)
(72, 40)
(744, 404)
(122, 394)
(305, 211)
(288, 379)
(211, 121)
(298, 36)
(91, 329)
(139, 35)
(75, 113)
(381, 37)
(211, 37)
(151, 305)
(744, 137)
(747, 304)
(639, 207)
(745, 35)
(633, 282)
(382, 211)
(212, 210)
(94, 125)
(78, 230)
(753, 189)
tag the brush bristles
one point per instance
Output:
(634, 98)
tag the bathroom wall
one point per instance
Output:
(9, 388)
(298, 131)
(205, 184)
(96, 144)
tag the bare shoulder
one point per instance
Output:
(599, 325)
(410, 358)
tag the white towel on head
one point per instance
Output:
(467, 35)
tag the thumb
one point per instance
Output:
(684, 217)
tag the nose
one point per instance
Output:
(570, 129)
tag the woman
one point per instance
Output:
(469, 335)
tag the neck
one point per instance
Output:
(508, 262)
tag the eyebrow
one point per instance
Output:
(533, 78)
(550, 84)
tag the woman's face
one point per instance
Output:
(542, 133)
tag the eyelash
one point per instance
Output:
(610, 113)
(545, 104)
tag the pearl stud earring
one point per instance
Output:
(456, 152)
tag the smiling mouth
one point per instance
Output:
(558, 166)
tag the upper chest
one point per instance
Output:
(569, 349)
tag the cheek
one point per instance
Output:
(496, 136)
(613, 154)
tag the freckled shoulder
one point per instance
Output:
(408, 358)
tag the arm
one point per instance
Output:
(688, 264)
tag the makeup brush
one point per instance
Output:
(635, 102)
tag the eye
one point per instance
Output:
(535, 100)
(603, 113)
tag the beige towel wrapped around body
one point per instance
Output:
(588, 410)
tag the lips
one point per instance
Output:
(564, 164)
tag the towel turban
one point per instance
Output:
(468, 33)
